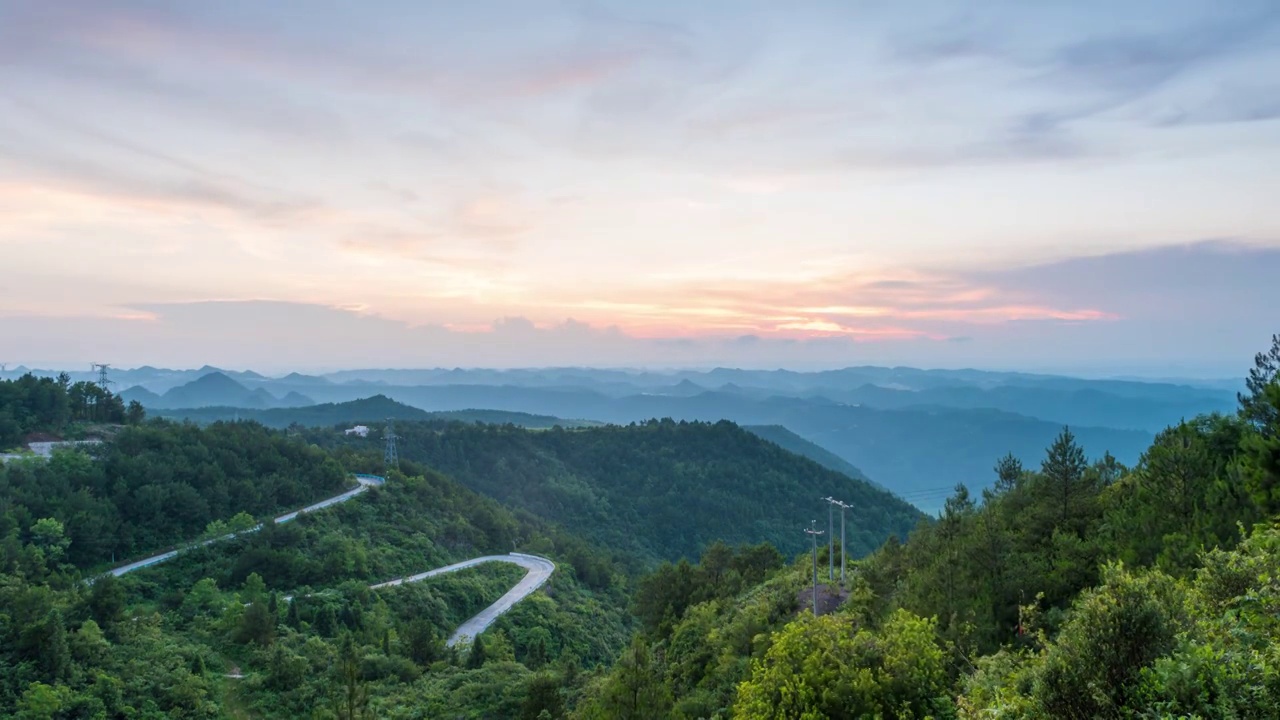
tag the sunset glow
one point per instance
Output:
(646, 172)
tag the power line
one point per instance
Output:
(928, 491)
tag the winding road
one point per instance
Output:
(540, 568)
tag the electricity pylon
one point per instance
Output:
(813, 531)
(101, 369)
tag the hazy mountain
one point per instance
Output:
(212, 389)
(142, 395)
(260, 398)
(294, 399)
(1085, 405)
(373, 411)
(792, 442)
(300, 379)
(1122, 404)
(216, 389)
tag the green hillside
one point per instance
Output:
(1070, 589)
(210, 635)
(659, 489)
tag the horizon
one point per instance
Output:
(1153, 376)
(1048, 188)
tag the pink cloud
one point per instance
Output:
(867, 307)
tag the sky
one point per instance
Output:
(1058, 186)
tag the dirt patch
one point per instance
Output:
(830, 597)
(42, 437)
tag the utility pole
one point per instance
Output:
(813, 531)
(391, 457)
(831, 536)
(843, 553)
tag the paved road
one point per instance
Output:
(365, 482)
(45, 449)
(540, 568)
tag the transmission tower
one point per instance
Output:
(391, 457)
(103, 381)
(813, 531)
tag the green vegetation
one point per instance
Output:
(210, 634)
(159, 484)
(33, 404)
(1076, 590)
(1079, 588)
(659, 489)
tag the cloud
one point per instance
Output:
(1068, 78)
(1234, 103)
(1203, 278)
(1159, 300)
(335, 48)
(1133, 64)
(135, 173)
(473, 230)
(843, 301)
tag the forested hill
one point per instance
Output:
(208, 635)
(55, 405)
(662, 489)
(159, 484)
(1068, 589)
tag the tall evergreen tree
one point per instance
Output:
(1008, 473)
(1063, 471)
(1254, 406)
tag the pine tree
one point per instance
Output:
(1063, 471)
(1008, 473)
(1254, 406)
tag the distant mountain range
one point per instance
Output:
(1182, 394)
(909, 451)
(916, 432)
(792, 442)
(212, 390)
(373, 411)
